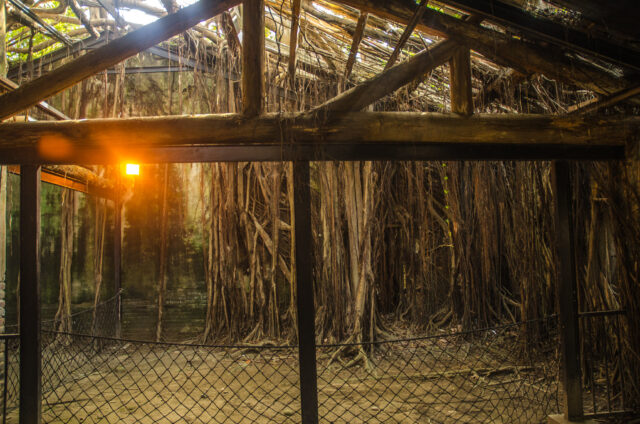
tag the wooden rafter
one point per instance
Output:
(499, 48)
(104, 57)
(75, 178)
(556, 33)
(417, 16)
(252, 57)
(596, 104)
(293, 39)
(351, 136)
(9, 85)
(355, 44)
(389, 81)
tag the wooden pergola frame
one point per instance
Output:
(335, 130)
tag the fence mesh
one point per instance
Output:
(96, 379)
(480, 376)
(487, 375)
(10, 373)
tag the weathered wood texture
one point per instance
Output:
(499, 48)
(417, 16)
(252, 57)
(355, 43)
(104, 57)
(554, 32)
(596, 104)
(372, 90)
(118, 140)
(293, 38)
(460, 82)
(8, 85)
(75, 178)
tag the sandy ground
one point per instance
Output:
(412, 382)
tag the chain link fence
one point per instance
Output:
(486, 375)
(10, 375)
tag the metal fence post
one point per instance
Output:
(30, 354)
(304, 286)
(117, 254)
(566, 294)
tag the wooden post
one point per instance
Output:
(304, 286)
(30, 355)
(460, 82)
(117, 254)
(252, 57)
(566, 294)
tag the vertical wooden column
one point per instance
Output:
(566, 294)
(117, 255)
(304, 286)
(252, 57)
(460, 82)
(30, 357)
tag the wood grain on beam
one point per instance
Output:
(252, 57)
(499, 48)
(355, 44)
(417, 16)
(460, 82)
(596, 104)
(293, 39)
(550, 31)
(9, 85)
(118, 140)
(230, 31)
(75, 178)
(104, 57)
(389, 81)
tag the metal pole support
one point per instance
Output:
(304, 286)
(30, 353)
(566, 294)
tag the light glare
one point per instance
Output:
(132, 169)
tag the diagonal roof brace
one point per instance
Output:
(48, 29)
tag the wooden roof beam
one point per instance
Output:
(547, 30)
(597, 104)
(106, 56)
(75, 178)
(374, 89)
(499, 48)
(293, 39)
(345, 136)
(417, 16)
(9, 85)
(252, 57)
(355, 44)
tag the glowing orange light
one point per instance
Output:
(132, 169)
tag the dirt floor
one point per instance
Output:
(425, 382)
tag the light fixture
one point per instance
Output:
(132, 169)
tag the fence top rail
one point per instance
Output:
(9, 336)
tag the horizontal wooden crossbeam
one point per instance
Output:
(349, 136)
(74, 178)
